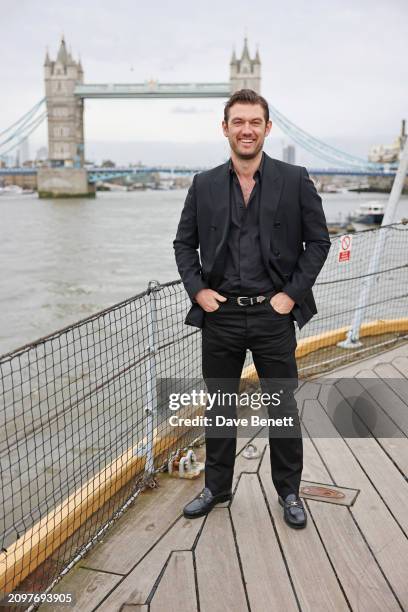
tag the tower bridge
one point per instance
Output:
(65, 95)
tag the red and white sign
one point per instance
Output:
(345, 248)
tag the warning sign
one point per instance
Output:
(345, 248)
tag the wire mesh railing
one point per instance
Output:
(337, 293)
(82, 422)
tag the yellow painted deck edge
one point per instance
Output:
(332, 337)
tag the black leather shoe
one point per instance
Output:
(294, 512)
(204, 502)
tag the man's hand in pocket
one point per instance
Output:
(282, 303)
(208, 299)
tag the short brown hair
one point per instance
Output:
(246, 96)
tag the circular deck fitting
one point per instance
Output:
(322, 492)
(251, 452)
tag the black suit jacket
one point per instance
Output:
(293, 234)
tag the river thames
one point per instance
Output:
(63, 260)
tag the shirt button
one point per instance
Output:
(277, 224)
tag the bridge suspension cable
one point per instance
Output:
(23, 128)
(34, 125)
(28, 123)
(318, 147)
(26, 117)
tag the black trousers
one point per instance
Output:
(227, 333)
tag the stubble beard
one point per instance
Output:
(246, 156)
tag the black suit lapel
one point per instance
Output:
(272, 184)
(220, 201)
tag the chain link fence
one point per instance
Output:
(81, 420)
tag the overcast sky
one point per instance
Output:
(338, 69)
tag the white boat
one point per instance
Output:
(368, 214)
(11, 190)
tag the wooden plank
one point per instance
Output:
(313, 467)
(218, 574)
(369, 451)
(401, 363)
(313, 577)
(382, 533)
(243, 465)
(356, 568)
(338, 402)
(176, 590)
(87, 588)
(385, 413)
(401, 350)
(143, 525)
(152, 514)
(385, 477)
(352, 557)
(138, 584)
(395, 379)
(267, 581)
(385, 397)
(348, 371)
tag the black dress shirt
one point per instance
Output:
(244, 269)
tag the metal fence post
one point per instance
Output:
(352, 340)
(151, 405)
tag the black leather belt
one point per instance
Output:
(244, 300)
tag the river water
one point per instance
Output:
(62, 260)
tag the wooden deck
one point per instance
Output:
(353, 555)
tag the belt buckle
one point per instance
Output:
(242, 297)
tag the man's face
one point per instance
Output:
(246, 129)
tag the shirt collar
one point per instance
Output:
(259, 169)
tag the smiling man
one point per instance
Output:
(262, 238)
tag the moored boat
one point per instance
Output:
(369, 214)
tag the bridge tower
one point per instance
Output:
(245, 73)
(65, 111)
(65, 175)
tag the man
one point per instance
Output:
(263, 240)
